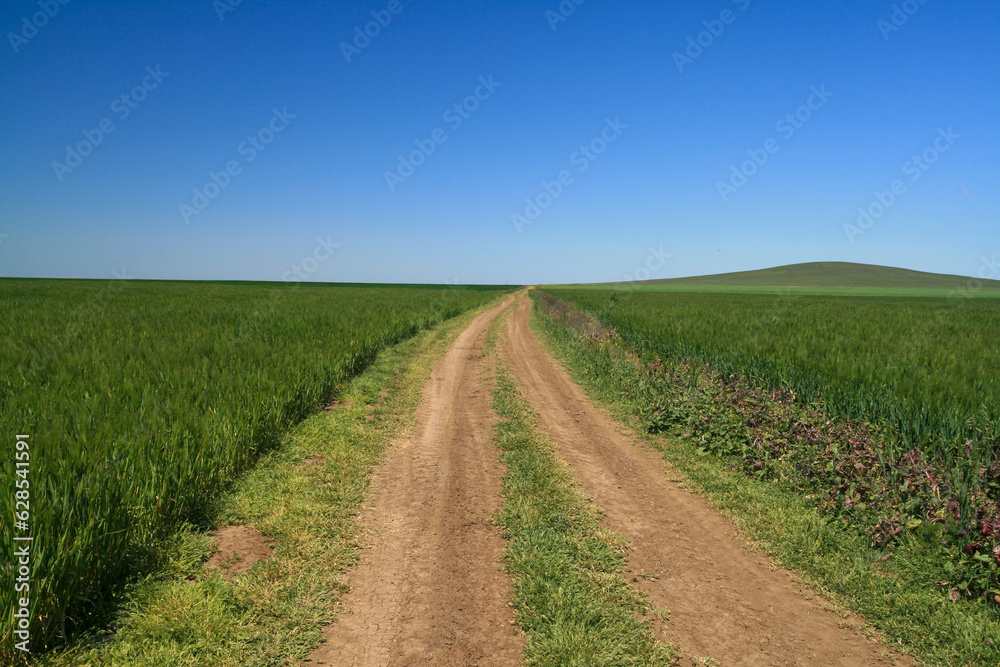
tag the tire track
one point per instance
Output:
(430, 589)
(725, 603)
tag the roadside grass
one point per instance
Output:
(186, 616)
(148, 399)
(570, 597)
(830, 557)
(874, 292)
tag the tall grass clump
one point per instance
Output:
(143, 400)
(884, 410)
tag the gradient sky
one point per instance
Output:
(654, 190)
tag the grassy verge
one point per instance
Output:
(304, 496)
(830, 556)
(570, 597)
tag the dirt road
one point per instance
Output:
(430, 589)
(725, 602)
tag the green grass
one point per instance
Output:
(179, 615)
(897, 596)
(570, 597)
(923, 367)
(960, 290)
(886, 411)
(829, 274)
(816, 279)
(145, 400)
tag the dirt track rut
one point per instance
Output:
(725, 602)
(430, 589)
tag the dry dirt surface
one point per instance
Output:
(726, 603)
(237, 548)
(430, 589)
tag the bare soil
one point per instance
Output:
(338, 404)
(237, 548)
(737, 607)
(430, 587)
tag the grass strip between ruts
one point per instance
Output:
(570, 597)
(830, 557)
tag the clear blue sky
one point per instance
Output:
(673, 128)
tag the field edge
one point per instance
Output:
(835, 563)
(184, 614)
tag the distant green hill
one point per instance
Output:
(828, 274)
